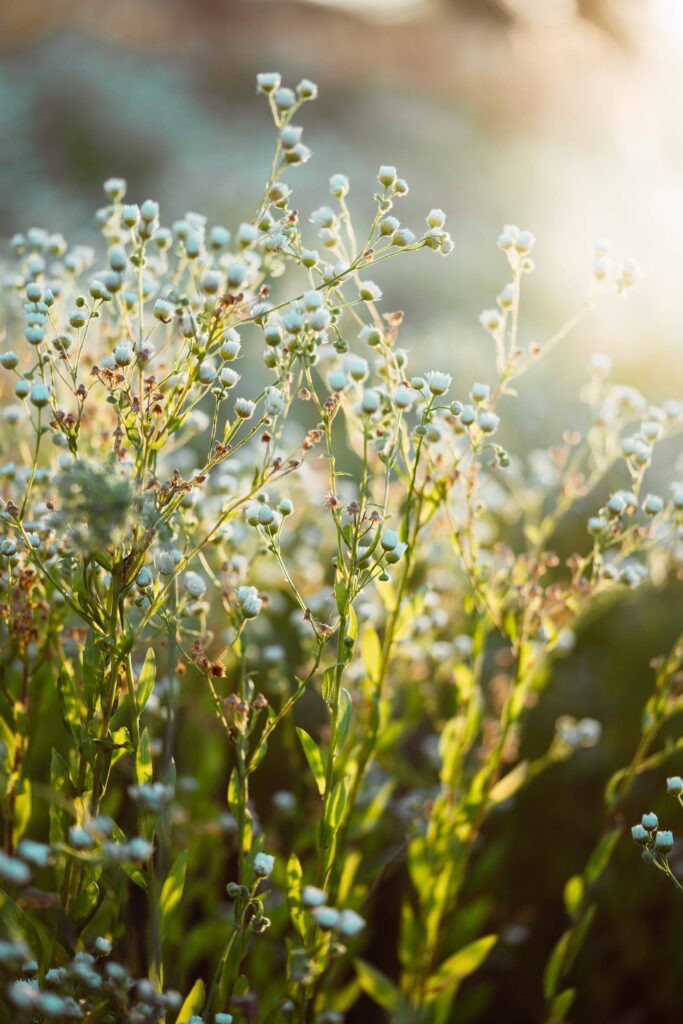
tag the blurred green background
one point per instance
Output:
(562, 116)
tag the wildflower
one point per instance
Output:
(664, 841)
(284, 98)
(194, 584)
(312, 896)
(339, 185)
(228, 377)
(268, 81)
(115, 188)
(403, 398)
(337, 380)
(403, 237)
(349, 923)
(249, 601)
(386, 175)
(37, 854)
(8, 360)
(370, 401)
(263, 864)
(437, 382)
(436, 219)
(389, 540)
(650, 821)
(652, 504)
(396, 553)
(307, 90)
(674, 785)
(480, 392)
(325, 917)
(488, 422)
(40, 395)
(244, 408)
(369, 291)
(13, 871)
(639, 834)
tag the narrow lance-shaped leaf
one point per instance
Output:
(316, 761)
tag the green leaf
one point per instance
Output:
(171, 892)
(143, 760)
(22, 808)
(316, 761)
(60, 783)
(601, 856)
(146, 680)
(193, 1004)
(378, 987)
(294, 885)
(337, 804)
(561, 1006)
(565, 952)
(573, 895)
(344, 714)
(371, 650)
(459, 966)
(510, 783)
(340, 593)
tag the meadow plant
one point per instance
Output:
(239, 530)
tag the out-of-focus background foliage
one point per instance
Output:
(563, 116)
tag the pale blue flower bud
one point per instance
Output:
(488, 422)
(40, 395)
(268, 81)
(115, 188)
(403, 237)
(337, 380)
(653, 504)
(249, 601)
(207, 372)
(9, 360)
(244, 408)
(149, 210)
(437, 382)
(339, 186)
(123, 354)
(228, 377)
(649, 821)
(436, 219)
(664, 841)
(194, 584)
(284, 98)
(370, 401)
(389, 540)
(403, 397)
(386, 175)
(307, 90)
(130, 215)
(349, 924)
(674, 785)
(263, 864)
(369, 291)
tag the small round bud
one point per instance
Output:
(40, 395)
(664, 841)
(674, 785)
(268, 81)
(386, 175)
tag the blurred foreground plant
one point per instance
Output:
(327, 529)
